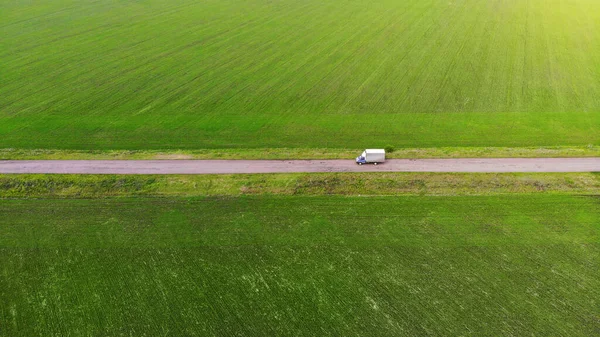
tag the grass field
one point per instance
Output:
(185, 74)
(402, 254)
(484, 265)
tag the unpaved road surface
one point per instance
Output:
(283, 166)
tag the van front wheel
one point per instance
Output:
(374, 163)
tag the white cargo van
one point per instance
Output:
(374, 156)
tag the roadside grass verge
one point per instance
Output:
(98, 186)
(301, 153)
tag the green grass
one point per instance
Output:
(275, 265)
(185, 74)
(302, 153)
(366, 184)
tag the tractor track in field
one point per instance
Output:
(298, 166)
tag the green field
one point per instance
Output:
(279, 265)
(395, 254)
(185, 74)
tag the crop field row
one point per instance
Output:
(253, 73)
(486, 265)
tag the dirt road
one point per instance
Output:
(281, 166)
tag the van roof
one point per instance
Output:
(375, 150)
